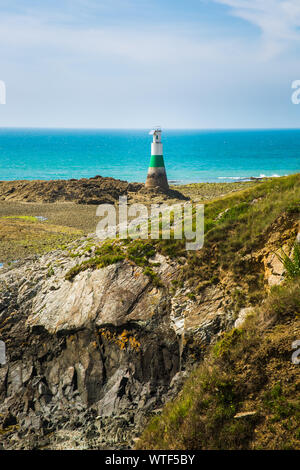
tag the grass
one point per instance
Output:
(136, 251)
(254, 209)
(249, 369)
(28, 218)
(278, 405)
(105, 255)
(272, 197)
(207, 191)
(140, 252)
(242, 368)
(235, 225)
(230, 339)
(24, 236)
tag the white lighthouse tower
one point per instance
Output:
(156, 172)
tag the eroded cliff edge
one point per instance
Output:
(97, 354)
(90, 359)
(98, 340)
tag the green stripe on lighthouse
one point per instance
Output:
(156, 161)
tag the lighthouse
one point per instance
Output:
(156, 172)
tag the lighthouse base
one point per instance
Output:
(157, 177)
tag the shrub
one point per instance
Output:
(230, 339)
(155, 279)
(284, 300)
(291, 263)
(140, 252)
(106, 254)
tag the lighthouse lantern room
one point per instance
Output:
(156, 176)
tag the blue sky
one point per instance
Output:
(136, 63)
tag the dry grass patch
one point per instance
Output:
(22, 236)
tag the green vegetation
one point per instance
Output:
(244, 395)
(250, 205)
(140, 252)
(137, 251)
(278, 405)
(292, 263)
(50, 271)
(108, 253)
(235, 225)
(207, 191)
(229, 340)
(28, 218)
(96, 262)
(154, 278)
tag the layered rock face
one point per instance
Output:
(88, 360)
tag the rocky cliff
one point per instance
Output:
(89, 359)
(99, 337)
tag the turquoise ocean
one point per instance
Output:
(190, 155)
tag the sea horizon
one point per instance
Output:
(200, 129)
(191, 155)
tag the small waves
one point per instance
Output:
(248, 178)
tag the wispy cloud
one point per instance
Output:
(107, 63)
(278, 20)
(144, 45)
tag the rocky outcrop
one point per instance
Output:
(281, 237)
(97, 190)
(88, 360)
